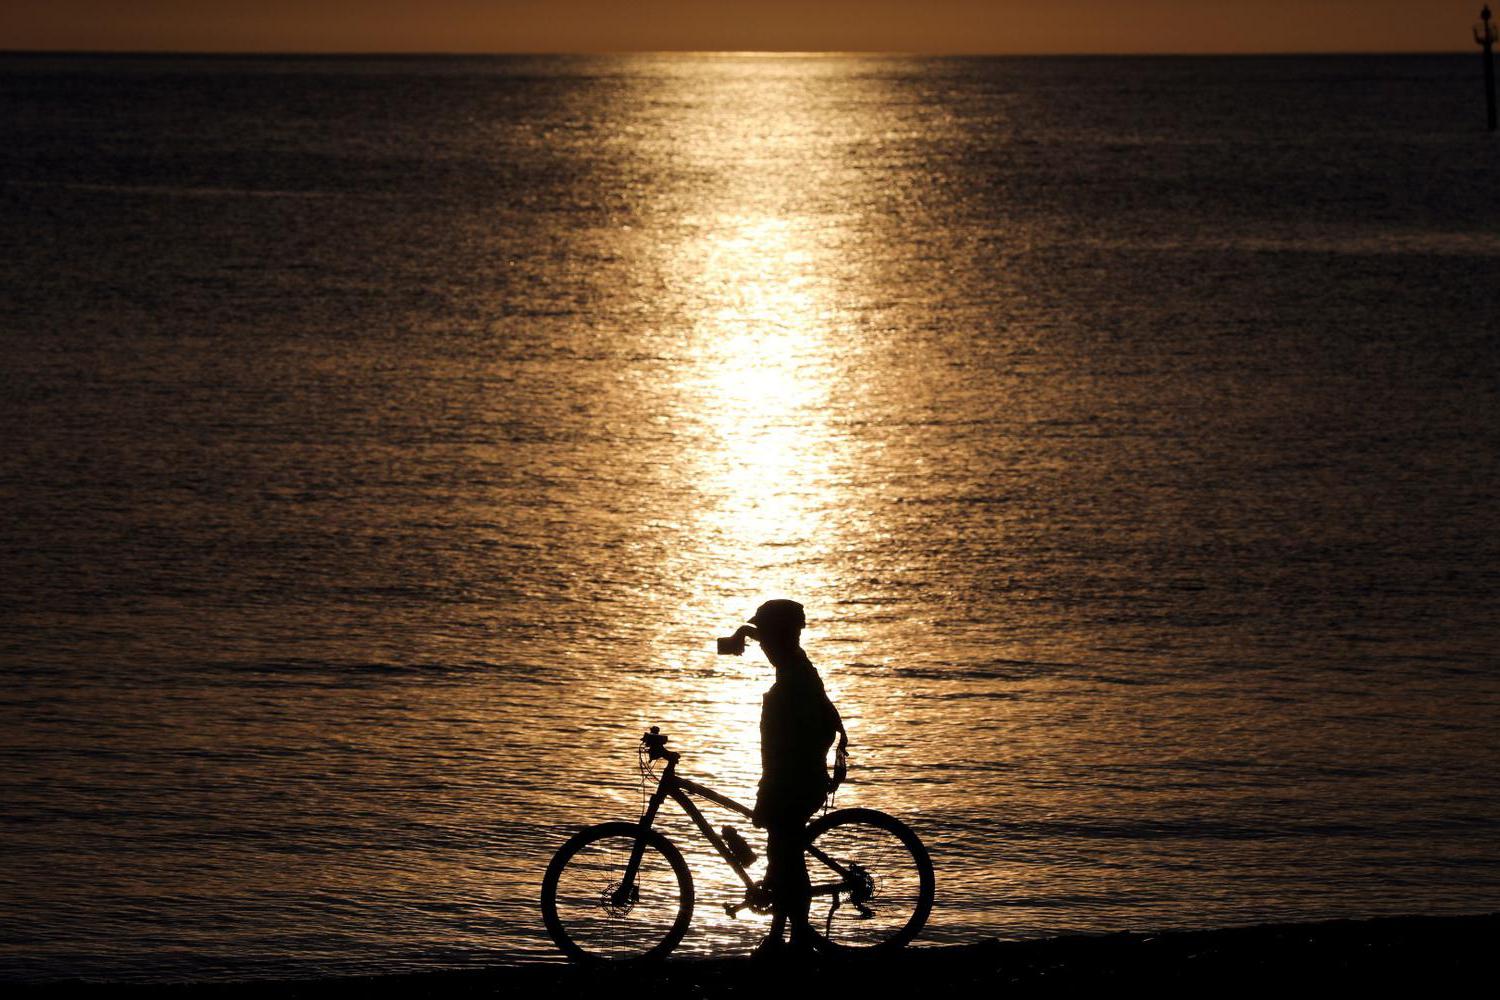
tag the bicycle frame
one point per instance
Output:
(673, 786)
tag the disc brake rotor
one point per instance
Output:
(617, 904)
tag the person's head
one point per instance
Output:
(780, 622)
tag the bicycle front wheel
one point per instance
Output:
(594, 916)
(872, 882)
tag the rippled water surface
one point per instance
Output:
(385, 442)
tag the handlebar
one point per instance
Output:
(655, 745)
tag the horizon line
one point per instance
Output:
(957, 54)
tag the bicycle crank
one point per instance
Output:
(757, 900)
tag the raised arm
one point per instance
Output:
(734, 645)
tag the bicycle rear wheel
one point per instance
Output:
(589, 912)
(872, 882)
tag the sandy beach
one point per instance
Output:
(1427, 953)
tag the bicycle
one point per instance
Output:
(623, 892)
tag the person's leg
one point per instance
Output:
(796, 886)
(786, 877)
(797, 917)
(782, 855)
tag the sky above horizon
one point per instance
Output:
(938, 26)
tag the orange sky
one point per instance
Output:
(1000, 26)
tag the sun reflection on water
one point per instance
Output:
(762, 378)
(763, 360)
(766, 356)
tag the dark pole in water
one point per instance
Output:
(1484, 34)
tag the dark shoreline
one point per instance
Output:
(1410, 952)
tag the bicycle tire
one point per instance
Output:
(897, 890)
(578, 908)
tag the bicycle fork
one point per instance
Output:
(625, 896)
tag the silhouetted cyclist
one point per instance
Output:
(797, 726)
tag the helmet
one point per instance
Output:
(780, 615)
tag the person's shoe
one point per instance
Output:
(800, 948)
(772, 949)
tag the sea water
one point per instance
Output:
(386, 441)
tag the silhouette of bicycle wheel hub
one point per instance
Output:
(863, 887)
(617, 903)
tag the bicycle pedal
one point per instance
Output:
(733, 910)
